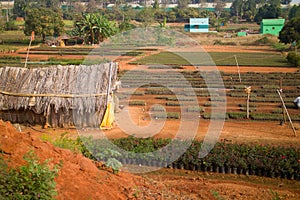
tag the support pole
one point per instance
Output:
(31, 39)
(283, 111)
(287, 113)
(248, 92)
(238, 68)
(109, 83)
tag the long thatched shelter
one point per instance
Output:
(57, 96)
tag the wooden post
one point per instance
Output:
(109, 83)
(287, 113)
(283, 111)
(248, 92)
(238, 68)
(31, 39)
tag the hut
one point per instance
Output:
(57, 96)
(271, 26)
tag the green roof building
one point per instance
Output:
(271, 26)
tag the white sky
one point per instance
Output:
(295, 1)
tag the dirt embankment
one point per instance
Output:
(79, 178)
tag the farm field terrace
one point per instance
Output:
(263, 127)
(273, 59)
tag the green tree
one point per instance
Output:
(267, 12)
(245, 9)
(2, 23)
(237, 8)
(104, 28)
(183, 4)
(250, 10)
(91, 6)
(44, 22)
(294, 12)
(219, 9)
(20, 6)
(290, 32)
(286, 2)
(171, 16)
(146, 16)
(156, 4)
(95, 27)
(53, 4)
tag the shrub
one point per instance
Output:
(137, 103)
(159, 91)
(265, 116)
(68, 143)
(31, 181)
(195, 109)
(279, 46)
(173, 103)
(168, 115)
(263, 41)
(235, 115)
(293, 58)
(159, 108)
(215, 116)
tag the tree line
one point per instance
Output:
(94, 24)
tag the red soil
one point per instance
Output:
(79, 178)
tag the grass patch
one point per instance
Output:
(219, 58)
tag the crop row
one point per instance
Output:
(225, 157)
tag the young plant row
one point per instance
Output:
(225, 157)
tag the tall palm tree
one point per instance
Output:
(86, 26)
(104, 28)
(96, 27)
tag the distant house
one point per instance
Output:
(271, 26)
(197, 25)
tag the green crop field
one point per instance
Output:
(219, 58)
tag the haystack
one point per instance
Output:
(57, 96)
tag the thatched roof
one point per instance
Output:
(81, 88)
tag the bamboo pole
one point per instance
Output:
(109, 83)
(51, 95)
(283, 111)
(27, 55)
(287, 113)
(248, 92)
(238, 68)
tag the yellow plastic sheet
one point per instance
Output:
(109, 117)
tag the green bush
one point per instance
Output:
(235, 115)
(158, 108)
(168, 115)
(68, 143)
(173, 103)
(280, 46)
(31, 181)
(215, 116)
(293, 58)
(137, 103)
(195, 109)
(263, 41)
(266, 116)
